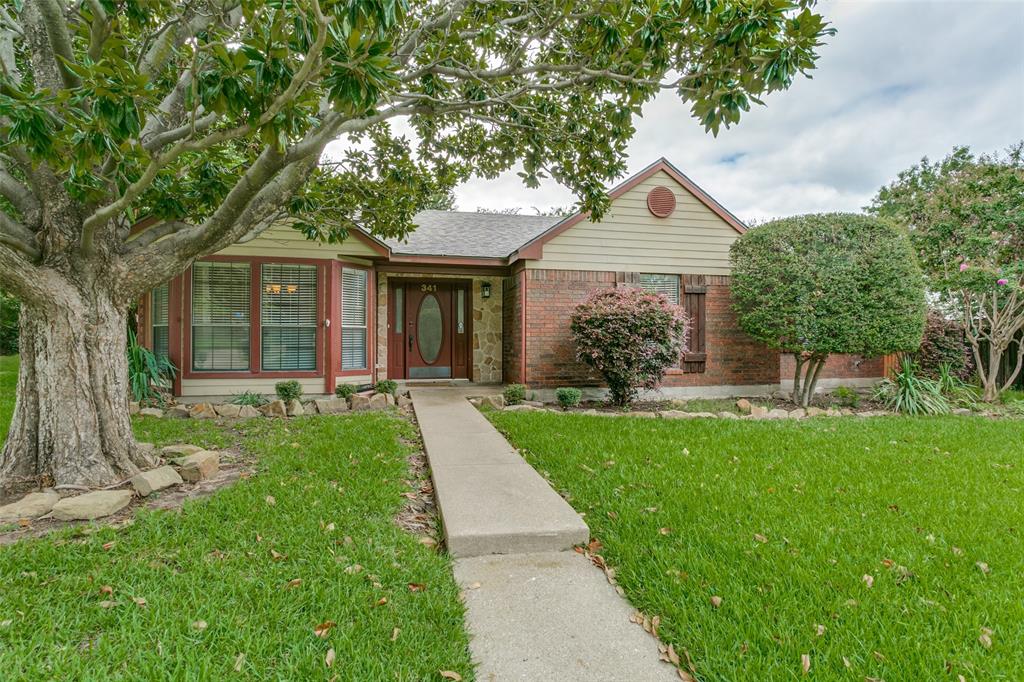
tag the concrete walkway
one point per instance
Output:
(535, 609)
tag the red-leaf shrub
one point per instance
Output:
(630, 336)
(943, 344)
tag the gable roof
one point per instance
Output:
(467, 234)
(534, 249)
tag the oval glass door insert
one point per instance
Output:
(430, 328)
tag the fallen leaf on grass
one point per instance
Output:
(451, 675)
(664, 531)
(868, 580)
(879, 656)
(417, 587)
(139, 601)
(353, 569)
(270, 500)
(329, 658)
(957, 551)
(381, 602)
(277, 556)
(394, 634)
(805, 663)
(199, 625)
(239, 662)
(107, 604)
(888, 563)
(294, 582)
(716, 601)
(107, 546)
(985, 639)
(983, 567)
(760, 538)
(324, 629)
(820, 629)
(846, 662)
(106, 589)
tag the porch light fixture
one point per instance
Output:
(485, 289)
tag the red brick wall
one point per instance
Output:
(840, 367)
(511, 330)
(732, 357)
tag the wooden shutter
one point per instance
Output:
(220, 316)
(353, 319)
(694, 295)
(627, 279)
(288, 317)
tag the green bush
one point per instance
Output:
(345, 390)
(388, 386)
(9, 308)
(910, 393)
(814, 285)
(943, 344)
(514, 394)
(250, 398)
(147, 372)
(568, 397)
(846, 396)
(288, 390)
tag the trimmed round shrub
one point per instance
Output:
(288, 390)
(345, 390)
(819, 284)
(943, 344)
(630, 337)
(568, 397)
(514, 394)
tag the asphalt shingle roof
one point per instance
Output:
(477, 235)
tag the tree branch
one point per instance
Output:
(51, 13)
(20, 196)
(17, 236)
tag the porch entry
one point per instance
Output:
(429, 329)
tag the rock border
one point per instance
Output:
(278, 409)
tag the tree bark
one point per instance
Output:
(71, 427)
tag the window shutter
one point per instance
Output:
(667, 285)
(353, 318)
(288, 317)
(694, 294)
(220, 316)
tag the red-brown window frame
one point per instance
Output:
(255, 370)
(371, 319)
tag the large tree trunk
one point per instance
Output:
(71, 427)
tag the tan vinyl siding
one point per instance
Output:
(285, 242)
(193, 388)
(693, 240)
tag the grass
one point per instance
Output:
(783, 520)
(215, 561)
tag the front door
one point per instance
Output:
(429, 330)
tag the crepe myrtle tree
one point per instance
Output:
(139, 135)
(965, 217)
(819, 284)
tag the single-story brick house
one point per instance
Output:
(468, 297)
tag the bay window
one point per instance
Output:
(220, 316)
(288, 317)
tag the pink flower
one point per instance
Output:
(1002, 281)
(964, 266)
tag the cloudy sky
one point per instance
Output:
(901, 80)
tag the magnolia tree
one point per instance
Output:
(814, 285)
(965, 216)
(630, 336)
(139, 135)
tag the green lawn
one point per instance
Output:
(229, 560)
(783, 521)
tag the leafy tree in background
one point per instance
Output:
(819, 284)
(8, 324)
(965, 217)
(158, 131)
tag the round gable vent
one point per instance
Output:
(661, 202)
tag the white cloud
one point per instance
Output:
(901, 80)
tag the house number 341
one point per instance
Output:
(428, 287)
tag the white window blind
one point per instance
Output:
(288, 317)
(220, 316)
(353, 318)
(667, 285)
(158, 306)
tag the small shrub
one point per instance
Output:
(846, 397)
(386, 386)
(345, 390)
(250, 398)
(288, 390)
(568, 397)
(954, 388)
(910, 393)
(943, 345)
(147, 372)
(514, 394)
(630, 337)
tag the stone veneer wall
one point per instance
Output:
(486, 325)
